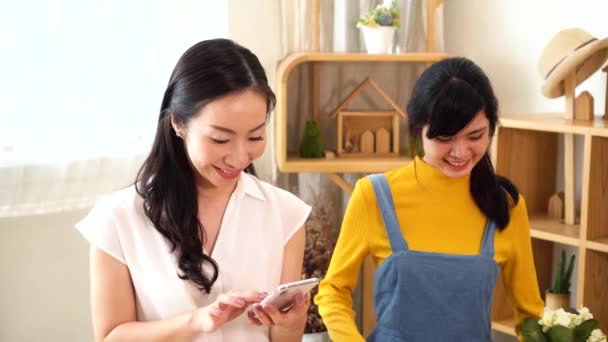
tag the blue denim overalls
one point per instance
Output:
(425, 296)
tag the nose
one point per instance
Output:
(238, 158)
(460, 149)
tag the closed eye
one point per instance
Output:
(218, 141)
(477, 137)
(444, 138)
(260, 138)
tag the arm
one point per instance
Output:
(335, 291)
(286, 326)
(519, 273)
(114, 313)
(292, 271)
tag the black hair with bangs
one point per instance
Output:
(446, 97)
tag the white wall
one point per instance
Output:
(506, 39)
(44, 291)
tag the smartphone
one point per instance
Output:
(284, 296)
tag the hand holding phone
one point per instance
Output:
(284, 296)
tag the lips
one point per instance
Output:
(458, 165)
(227, 173)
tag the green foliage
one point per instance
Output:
(531, 331)
(312, 144)
(381, 15)
(563, 275)
(582, 331)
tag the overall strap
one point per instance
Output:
(487, 245)
(387, 209)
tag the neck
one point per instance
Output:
(207, 191)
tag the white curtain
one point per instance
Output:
(81, 86)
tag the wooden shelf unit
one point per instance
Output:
(286, 161)
(525, 151)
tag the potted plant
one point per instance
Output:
(317, 255)
(558, 296)
(562, 326)
(379, 25)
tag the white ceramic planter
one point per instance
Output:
(378, 39)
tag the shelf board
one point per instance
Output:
(550, 229)
(506, 326)
(600, 245)
(305, 57)
(555, 122)
(342, 165)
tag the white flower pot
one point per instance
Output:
(378, 39)
(316, 337)
(557, 301)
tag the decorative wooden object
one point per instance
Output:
(383, 141)
(367, 142)
(583, 106)
(556, 206)
(353, 124)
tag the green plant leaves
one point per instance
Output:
(531, 331)
(560, 333)
(583, 330)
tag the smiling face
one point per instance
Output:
(225, 137)
(456, 155)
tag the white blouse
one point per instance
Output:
(258, 222)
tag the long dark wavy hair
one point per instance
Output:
(207, 71)
(447, 96)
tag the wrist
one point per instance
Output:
(195, 322)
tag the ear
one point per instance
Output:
(177, 127)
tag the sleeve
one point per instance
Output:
(100, 229)
(519, 273)
(336, 289)
(293, 214)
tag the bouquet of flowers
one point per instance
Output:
(386, 14)
(562, 326)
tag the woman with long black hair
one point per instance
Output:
(198, 239)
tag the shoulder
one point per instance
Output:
(117, 209)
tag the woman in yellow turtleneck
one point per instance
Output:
(439, 229)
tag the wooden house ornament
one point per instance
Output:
(368, 133)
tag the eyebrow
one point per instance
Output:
(479, 130)
(228, 130)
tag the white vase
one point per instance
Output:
(378, 39)
(316, 337)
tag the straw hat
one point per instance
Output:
(571, 50)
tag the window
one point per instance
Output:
(82, 78)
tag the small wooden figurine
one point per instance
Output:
(556, 206)
(383, 141)
(583, 107)
(367, 142)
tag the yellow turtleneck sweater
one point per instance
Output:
(436, 214)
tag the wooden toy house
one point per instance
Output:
(368, 133)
